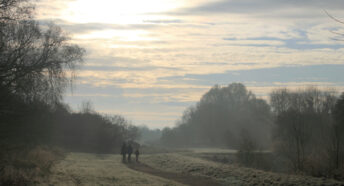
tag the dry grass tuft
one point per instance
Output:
(28, 166)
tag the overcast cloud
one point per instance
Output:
(150, 63)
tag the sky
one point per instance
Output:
(149, 60)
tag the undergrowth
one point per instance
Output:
(27, 165)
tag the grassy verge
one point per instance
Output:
(226, 173)
(100, 169)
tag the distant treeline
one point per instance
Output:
(37, 63)
(37, 123)
(219, 118)
(149, 136)
(304, 126)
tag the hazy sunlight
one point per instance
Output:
(117, 12)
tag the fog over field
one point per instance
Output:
(171, 92)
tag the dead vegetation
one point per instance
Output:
(28, 166)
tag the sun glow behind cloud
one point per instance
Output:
(119, 35)
(118, 11)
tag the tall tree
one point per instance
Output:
(338, 132)
(218, 118)
(301, 122)
(35, 63)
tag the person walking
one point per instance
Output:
(137, 153)
(124, 152)
(129, 151)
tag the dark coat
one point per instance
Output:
(130, 149)
(124, 149)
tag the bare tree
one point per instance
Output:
(295, 133)
(302, 123)
(87, 107)
(12, 10)
(338, 132)
(339, 34)
(247, 149)
(34, 63)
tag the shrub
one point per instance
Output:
(28, 166)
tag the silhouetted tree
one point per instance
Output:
(218, 118)
(246, 149)
(338, 132)
(33, 61)
(302, 123)
(36, 64)
(87, 107)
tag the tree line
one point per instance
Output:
(309, 129)
(305, 126)
(219, 117)
(37, 63)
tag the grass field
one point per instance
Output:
(227, 174)
(93, 169)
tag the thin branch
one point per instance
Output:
(337, 39)
(337, 33)
(337, 20)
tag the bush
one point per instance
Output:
(28, 166)
(248, 154)
(247, 147)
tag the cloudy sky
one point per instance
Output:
(150, 59)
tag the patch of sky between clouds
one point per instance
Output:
(300, 43)
(312, 73)
(255, 6)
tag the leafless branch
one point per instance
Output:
(337, 20)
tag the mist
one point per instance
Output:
(162, 92)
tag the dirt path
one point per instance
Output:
(178, 177)
(85, 169)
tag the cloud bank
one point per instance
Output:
(150, 66)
